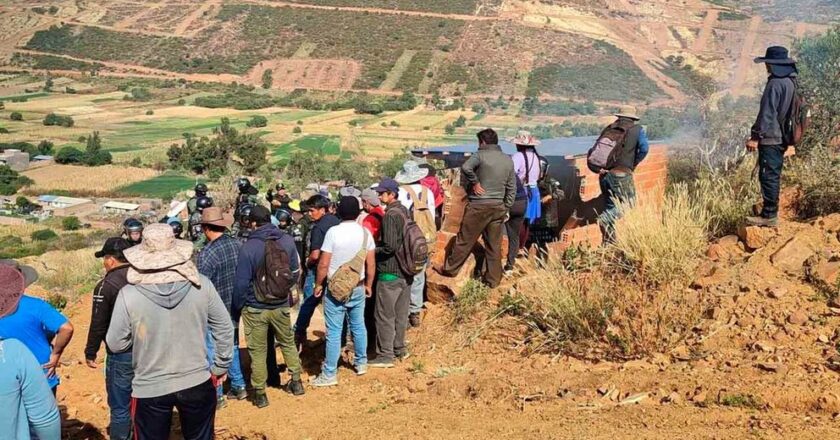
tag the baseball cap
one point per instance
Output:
(370, 196)
(388, 185)
(114, 247)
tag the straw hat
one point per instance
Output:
(628, 112)
(524, 137)
(11, 289)
(160, 258)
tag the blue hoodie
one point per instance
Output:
(251, 257)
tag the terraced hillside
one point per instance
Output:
(563, 49)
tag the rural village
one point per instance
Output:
(622, 239)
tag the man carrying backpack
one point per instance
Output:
(420, 202)
(491, 186)
(267, 268)
(392, 288)
(773, 130)
(346, 267)
(620, 148)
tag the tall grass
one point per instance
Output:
(473, 295)
(662, 245)
(68, 271)
(816, 175)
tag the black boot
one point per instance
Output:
(260, 400)
(295, 387)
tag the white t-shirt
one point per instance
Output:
(344, 241)
(405, 198)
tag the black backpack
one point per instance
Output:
(274, 281)
(798, 118)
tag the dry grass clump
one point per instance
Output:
(90, 181)
(727, 199)
(67, 271)
(662, 245)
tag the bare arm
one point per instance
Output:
(370, 272)
(62, 338)
(323, 270)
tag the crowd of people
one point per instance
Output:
(172, 299)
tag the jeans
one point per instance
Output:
(334, 315)
(418, 287)
(307, 306)
(196, 410)
(119, 373)
(257, 323)
(237, 379)
(771, 158)
(392, 299)
(615, 187)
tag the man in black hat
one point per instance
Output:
(769, 134)
(118, 367)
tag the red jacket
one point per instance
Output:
(373, 222)
(435, 187)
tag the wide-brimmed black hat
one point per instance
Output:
(776, 55)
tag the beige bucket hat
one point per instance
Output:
(628, 112)
(160, 258)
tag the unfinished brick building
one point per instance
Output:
(577, 213)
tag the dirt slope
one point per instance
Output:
(755, 367)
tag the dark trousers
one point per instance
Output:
(391, 314)
(481, 219)
(770, 161)
(119, 373)
(616, 188)
(196, 410)
(513, 227)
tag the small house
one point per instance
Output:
(114, 207)
(15, 159)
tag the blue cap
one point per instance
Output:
(388, 185)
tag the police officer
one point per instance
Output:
(278, 198)
(196, 233)
(133, 231)
(200, 191)
(241, 229)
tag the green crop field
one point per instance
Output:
(133, 133)
(314, 143)
(163, 186)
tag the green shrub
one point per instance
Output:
(4, 130)
(53, 119)
(69, 155)
(71, 223)
(818, 195)
(57, 300)
(11, 181)
(44, 235)
(297, 130)
(472, 296)
(150, 112)
(16, 116)
(257, 121)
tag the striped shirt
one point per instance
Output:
(391, 240)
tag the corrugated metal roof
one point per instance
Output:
(70, 200)
(42, 157)
(121, 205)
(557, 147)
(46, 198)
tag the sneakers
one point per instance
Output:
(414, 319)
(221, 402)
(295, 387)
(508, 271)
(237, 394)
(381, 362)
(763, 221)
(402, 356)
(260, 400)
(361, 370)
(323, 381)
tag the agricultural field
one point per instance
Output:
(163, 186)
(440, 6)
(80, 180)
(313, 144)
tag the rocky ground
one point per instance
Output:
(761, 364)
